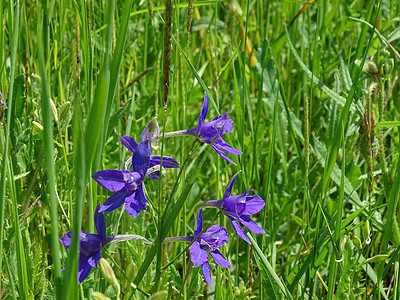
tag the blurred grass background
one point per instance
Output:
(312, 88)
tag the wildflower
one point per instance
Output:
(90, 245)
(206, 243)
(128, 186)
(238, 208)
(207, 132)
(149, 133)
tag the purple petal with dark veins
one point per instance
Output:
(129, 143)
(205, 268)
(83, 268)
(136, 202)
(239, 231)
(253, 205)
(141, 158)
(199, 221)
(220, 259)
(235, 204)
(100, 222)
(250, 224)
(155, 175)
(211, 129)
(89, 243)
(215, 236)
(198, 256)
(168, 162)
(203, 113)
(115, 201)
(230, 184)
(112, 180)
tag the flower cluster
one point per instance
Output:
(128, 188)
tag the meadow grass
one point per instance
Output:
(312, 89)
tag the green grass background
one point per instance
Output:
(315, 104)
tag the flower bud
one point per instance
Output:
(366, 231)
(371, 68)
(38, 126)
(54, 111)
(150, 132)
(131, 271)
(357, 242)
(161, 295)
(109, 275)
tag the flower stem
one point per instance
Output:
(187, 239)
(127, 237)
(186, 132)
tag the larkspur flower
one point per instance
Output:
(206, 243)
(238, 208)
(209, 131)
(90, 245)
(128, 184)
(149, 133)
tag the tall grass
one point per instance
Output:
(312, 88)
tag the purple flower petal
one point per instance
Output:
(235, 204)
(220, 259)
(230, 184)
(250, 224)
(215, 236)
(89, 243)
(115, 201)
(168, 162)
(221, 124)
(83, 268)
(66, 239)
(112, 180)
(223, 155)
(203, 113)
(198, 256)
(150, 131)
(199, 222)
(129, 143)
(100, 222)
(205, 268)
(239, 231)
(136, 202)
(253, 205)
(94, 259)
(224, 146)
(154, 175)
(141, 158)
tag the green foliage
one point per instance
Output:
(316, 112)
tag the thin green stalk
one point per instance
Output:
(14, 47)
(49, 159)
(336, 237)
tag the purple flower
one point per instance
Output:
(206, 243)
(149, 133)
(90, 246)
(238, 208)
(208, 131)
(128, 186)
